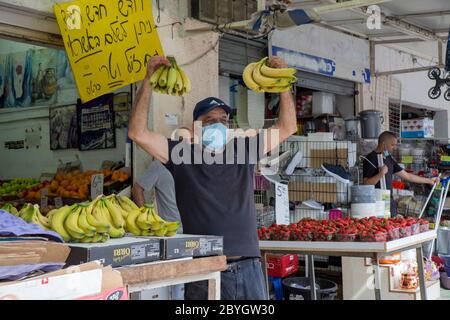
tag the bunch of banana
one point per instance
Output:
(90, 222)
(259, 77)
(31, 214)
(8, 207)
(170, 80)
(146, 222)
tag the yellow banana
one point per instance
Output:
(162, 81)
(171, 78)
(161, 232)
(11, 209)
(247, 76)
(186, 81)
(261, 80)
(127, 204)
(155, 76)
(83, 223)
(97, 238)
(148, 233)
(179, 82)
(43, 221)
(105, 237)
(113, 231)
(142, 222)
(71, 224)
(277, 72)
(100, 226)
(173, 226)
(170, 233)
(131, 222)
(277, 89)
(58, 219)
(50, 215)
(115, 213)
(87, 240)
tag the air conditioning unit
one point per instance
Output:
(222, 11)
(204, 10)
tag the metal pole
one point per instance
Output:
(381, 164)
(423, 285)
(312, 277)
(428, 199)
(376, 270)
(438, 215)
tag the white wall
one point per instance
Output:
(199, 50)
(23, 163)
(415, 85)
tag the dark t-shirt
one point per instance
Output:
(218, 199)
(369, 170)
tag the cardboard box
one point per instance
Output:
(282, 265)
(418, 128)
(67, 284)
(32, 252)
(321, 192)
(187, 245)
(113, 287)
(162, 293)
(335, 156)
(116, 252)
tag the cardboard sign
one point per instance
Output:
(44, 198)
(96, 185)
(281, 203)
(58, 202)
(108, 43)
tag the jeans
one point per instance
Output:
(243, 280)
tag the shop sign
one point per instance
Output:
(319, 50)
(108, 43)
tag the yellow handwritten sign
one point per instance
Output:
(108, 42)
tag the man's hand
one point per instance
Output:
(153, 65)
(434, 180)
(384, 169)
(277, 62)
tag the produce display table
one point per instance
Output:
(374, 250)
(171, 272)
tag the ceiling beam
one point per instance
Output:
(398, 24)
(403, 71)
(424, 14)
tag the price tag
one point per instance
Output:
(407, 159)
(44, 202)
(281, 203)
(96, 185)
(58, 202)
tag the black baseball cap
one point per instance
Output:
(206, 105)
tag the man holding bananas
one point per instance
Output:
(217, 197)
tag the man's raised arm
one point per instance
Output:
(153, 143)
(286, 124)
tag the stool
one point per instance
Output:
(276, 282)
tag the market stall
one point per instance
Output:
(375, 251)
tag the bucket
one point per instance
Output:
(363, 210)
(298, 288)
(363, 194)
(371, 121)
(443, 241)
(352, 128)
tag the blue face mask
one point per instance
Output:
(386, 153)
(214, 136)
